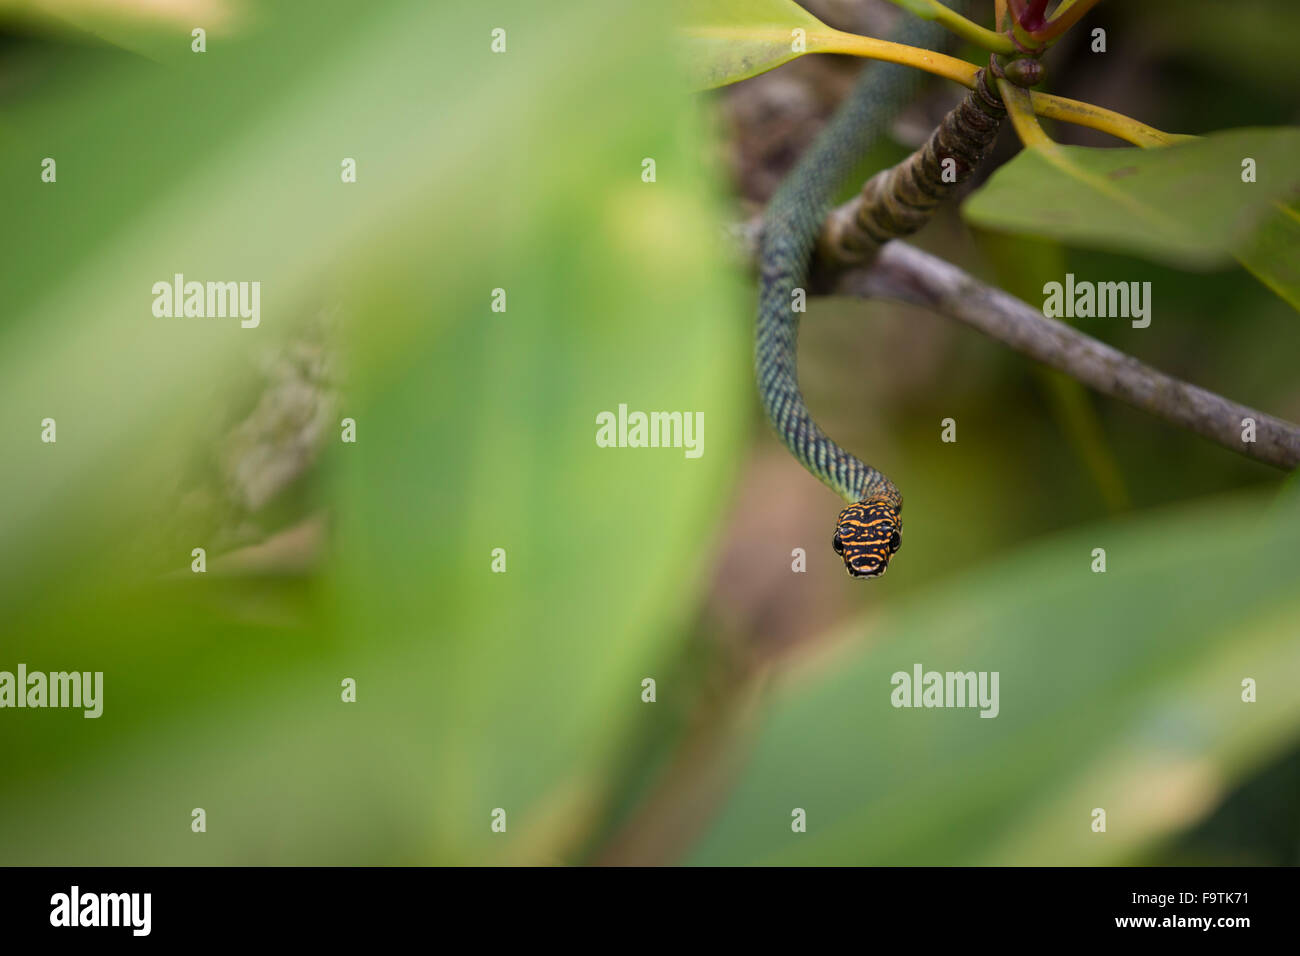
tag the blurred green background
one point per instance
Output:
(522, 690)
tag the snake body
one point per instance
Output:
(869, 531)
(897, 201)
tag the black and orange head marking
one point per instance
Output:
(867, 535)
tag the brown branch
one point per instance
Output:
(903, 273)
(901, 199)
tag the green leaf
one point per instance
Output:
(476, 430)
(1119, 690)
(1272, 253)
(731, 40)
(1184, 205)
(158, 31)
(1021, 266)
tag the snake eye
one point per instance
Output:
(895, 541)
(837, 544)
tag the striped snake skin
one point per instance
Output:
(869, 531)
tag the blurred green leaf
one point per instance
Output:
(1022, 266)
(1185, 205)
(1272, 253)
(1249, 54)
(476, 430)
(731, 40)
(160, 31)
(1119, 690)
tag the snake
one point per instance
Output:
(868, 532)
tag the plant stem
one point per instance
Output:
(1032, 15)
(949, 67)
(960, 71)
(1021, 110)
(953, 21)
(1104, 120)
(1067, 15)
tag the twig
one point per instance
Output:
(904, 273)
(899, 200)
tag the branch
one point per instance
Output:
(898, 201)
(904, 273)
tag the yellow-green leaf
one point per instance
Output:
(1185, 205)
(1119, 690)
(479, 686)
(1272, 253)
(732, 40)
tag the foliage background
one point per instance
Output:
(522, 690)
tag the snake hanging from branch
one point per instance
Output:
(895, 202)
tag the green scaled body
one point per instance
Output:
(869, 530)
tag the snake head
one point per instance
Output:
(867, 534)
